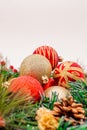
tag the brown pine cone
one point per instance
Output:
(72, 111)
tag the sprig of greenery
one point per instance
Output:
(24, 116)
(62, 124)
(79, 127)
(78, 90)
(30, 127)
(7, 72)
(49, 102)
(8, 101)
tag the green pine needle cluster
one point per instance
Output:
(49, 102)
(78, 90)
(24, 115)
(7, 73)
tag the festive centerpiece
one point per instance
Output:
(45, 93)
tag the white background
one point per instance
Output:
(28, 24)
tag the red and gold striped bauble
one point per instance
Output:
(68, 71)
(50, 53)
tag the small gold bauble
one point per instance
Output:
(60, 91)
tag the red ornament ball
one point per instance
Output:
(68, 71)
(27, 85)
(50, 53)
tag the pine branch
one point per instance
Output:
(62, 124)
(79, 92)
(79, 127)
(49, 102)
(23, 115)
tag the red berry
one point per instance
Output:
(11, 67)
(15, 70)
(3, 63)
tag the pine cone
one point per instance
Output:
(46, 121)
(72, 111)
